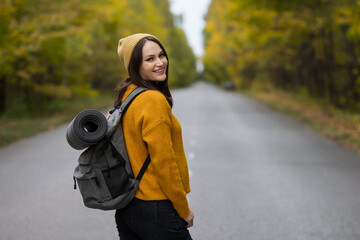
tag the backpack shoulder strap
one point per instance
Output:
(125, 104)
(117, 138)
(143, 168)
(114, 116)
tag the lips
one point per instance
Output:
(160, 71)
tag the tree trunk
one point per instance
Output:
(351, 63)
(2, 94)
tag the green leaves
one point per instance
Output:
(291, 44)
(62, 49)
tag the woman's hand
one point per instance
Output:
(189, 219)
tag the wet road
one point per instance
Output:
(255, 174)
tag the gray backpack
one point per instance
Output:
(104, 174)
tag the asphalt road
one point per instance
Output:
(255, 175)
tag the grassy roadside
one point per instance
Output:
(339, 125)
(22, 126)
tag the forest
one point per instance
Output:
(306, 46)
(60, 50)
(64, 51)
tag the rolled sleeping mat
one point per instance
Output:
(86, 129)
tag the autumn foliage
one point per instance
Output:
(298, 45)
(52, 50)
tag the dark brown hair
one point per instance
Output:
(135, 78)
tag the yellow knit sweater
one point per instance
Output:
(151, 128)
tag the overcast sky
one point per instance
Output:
(193, 12)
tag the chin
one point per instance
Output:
(160, 79)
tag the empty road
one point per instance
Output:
(255, 175)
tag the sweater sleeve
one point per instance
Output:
(156, 133)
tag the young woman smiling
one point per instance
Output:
(160, 209)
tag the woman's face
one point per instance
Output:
(154, 62)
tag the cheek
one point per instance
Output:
(143, 70)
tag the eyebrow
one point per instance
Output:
(153, 55)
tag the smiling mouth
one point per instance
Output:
(160, 70)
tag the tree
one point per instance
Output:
(58, 50)
(294, 45)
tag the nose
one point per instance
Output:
(159, 62)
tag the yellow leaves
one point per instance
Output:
(25, 76)
(84, 91)
(59, 49)
(343, 15)
(6, 11)
(312, 45)
(53, 91)
(21, 52)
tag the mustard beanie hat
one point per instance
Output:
(126, 47)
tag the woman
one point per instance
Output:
(160, 208)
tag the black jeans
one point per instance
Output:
(150, 220)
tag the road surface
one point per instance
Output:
(255, 175)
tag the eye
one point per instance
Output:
(149, 59)
(162, 55)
